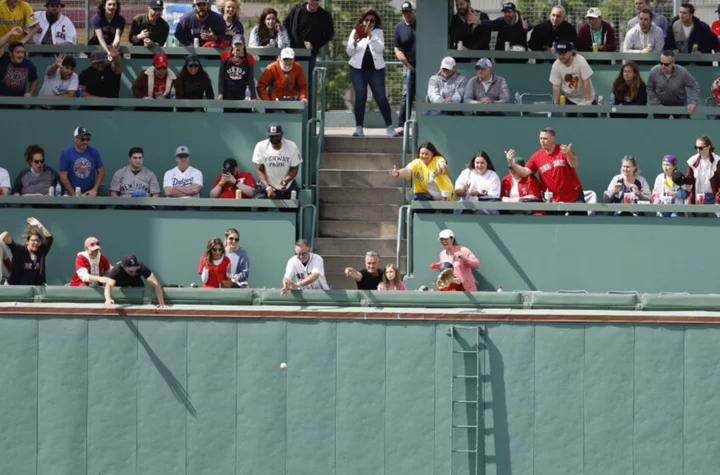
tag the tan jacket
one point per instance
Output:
(143, 85)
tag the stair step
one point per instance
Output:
(357, 246)
(360, 195)
(359, 161)
(355, 212)
(359, 178)
(352, 229)
(364, 144)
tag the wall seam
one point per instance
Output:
(287, 338)
(189, 393)
(584, 435)
(335, 402)
(682, 433)
(385, 405)
(633, 397)
(87, 395)
(137, 384)
(435, 347)
(37, 401)
(534, 394)
(237, 393)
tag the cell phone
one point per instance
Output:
(360, 32)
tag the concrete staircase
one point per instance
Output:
(359, 204)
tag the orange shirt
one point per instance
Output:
(275, 78)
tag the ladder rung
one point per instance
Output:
(465, 451)
(465, 376)
(466, 402)
(465, 427)
(466, 351)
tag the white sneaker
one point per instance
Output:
(391, 132)
(358, 132)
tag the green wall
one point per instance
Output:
(160, 396)
(170, 242)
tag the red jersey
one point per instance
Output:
(228, 189)
(452, 287)
(97, 267)
(528, 186)
(216, 273)
(556, 174)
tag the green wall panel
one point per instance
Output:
(443, 399)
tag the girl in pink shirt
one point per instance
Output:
(391, 279)
(462, 259)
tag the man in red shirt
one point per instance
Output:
(556, 164)
(90, 265)
(231, 180)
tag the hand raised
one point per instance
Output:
(566, 149)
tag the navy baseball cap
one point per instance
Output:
(80, 131)
(564, 47)
(275, 129)
(130, 262)
(509, 7)
(156, 4)
(407, 6)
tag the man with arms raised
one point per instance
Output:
(304, 271)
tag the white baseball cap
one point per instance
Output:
(287, 53)
(447, 63)
(593, 13)
(446, 234)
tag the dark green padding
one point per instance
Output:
(573, 300)
(444, 299)
(674, 301)
(132, 296)
(319, 297)
(19, 293)
(204, 296)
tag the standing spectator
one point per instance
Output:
(479, 181)
(54, 27)
(371, 276)
(429, 171)
(232, 180)
(556, 164)
(60, 78)
(304, 271)
(365, 47)
(18, 75)
(554, 30)
(29, 261)
(150, 29)
(269, 32)
(100, 81)
(4, 182)
(596, 31)
(214, 267)
(283, 80)
(108, 25)
(629, 87)
(462, 259)
(468, 27)
(486, 87)
(81, 166)
(657, 19)
(668, 82)
(239, 261)
(157, 81)
(276, 161)
(391, 279)
(183, 181)
(18, 14)
(129, 273)
(236, 73)
(231, 14)
(645, 36)
(518, 189)
(194, 80)
(134, 179)
(202, 24)
(689, 34)
(704, 173)
(37, 178)
(447, 86)
(628, 181)
(90, 265)
(404, 44)
(512, 28)
(570, 75)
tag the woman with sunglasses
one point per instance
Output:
(239, 262)
(157, 81)
(214, 268)
(29, 260)
(37, 178)
(628, 181)
(704, 173)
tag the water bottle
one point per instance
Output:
(51, 191)
(172, 92)
(248, 95)
(58, 190)
(517, 97)
(78, 191)
(293, 195)
(612, 99)
(499, 288)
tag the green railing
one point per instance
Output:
(472, 55)
(109, 201)
(171, 51)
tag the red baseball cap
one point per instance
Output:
(160, 60)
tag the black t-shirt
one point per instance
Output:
(27, 271)
(369, 281)
(368, 64)
(405, 40)
(101, 83)
(123, 279)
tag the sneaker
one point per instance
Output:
(390, 131)
(400, 131)
(358, 132)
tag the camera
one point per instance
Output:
(229, 165)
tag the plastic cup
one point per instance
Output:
(548, 196)
(700, 198)
(445, 195)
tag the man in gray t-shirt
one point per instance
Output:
(134, 179)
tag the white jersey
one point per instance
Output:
(55, 85)
(175, 178)
(297, 271)
(277, 162)
(61, 32)
(4, 178)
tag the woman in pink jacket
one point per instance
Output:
(462, 259)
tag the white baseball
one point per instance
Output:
(283, 365)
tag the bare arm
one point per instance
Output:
(402, 173)
(66, 183)
(570, 153)
(152, 280)
(109, 284)
(556, 94)
(262, 176)
(522, 171)
(5, 237)
(400, 55)
(352, 273)
(99, 177)
(587, 87)
(32, 32)
(172, 192)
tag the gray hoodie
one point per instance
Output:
(672, 91)
(440, 88)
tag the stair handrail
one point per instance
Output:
(407, 142)
(301, 223)
(407, 218)
(318, 157)
(322, 72)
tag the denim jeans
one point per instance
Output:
(405, 94)
(376, 80)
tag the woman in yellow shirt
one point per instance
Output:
(430, 175)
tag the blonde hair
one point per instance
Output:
(221, 6)
(397, 281)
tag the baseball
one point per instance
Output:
(283, 365)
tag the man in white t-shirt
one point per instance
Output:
(60, 78)
(4, 182)
(304, 271)
(570, 76)
(277, 161)
(183, 181)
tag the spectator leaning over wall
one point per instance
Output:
(107, 25)
(304, 271)
(570, 76)
(371, 276)
(90, 265)
(129, 273)
(668, 83)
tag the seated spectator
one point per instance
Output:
(236, 78)
(29, 261)
(4, 182)
(157, 81)
(81, 166)
(657, 19)
(688, 34)
(665, 191)
(283, 80)
(715, 27)
(107, 25)
(18, 75)
(269, 32)
(54, 27)
(129, 273)
(554, 30)
(100, 81)
(629, 88)
(447, 86)
(645, 36)
(304, 271)
(231, 14)
(60, 78)
(486, 87)
(90, 265)
(715, 92)
(37, 178)
(570, 76)
(596, 32)
(391, 279)
(429, 171)
(18, 14)
(134, 179)
(276, 161)
(150, 29)
(202, 24)
(668, 82)
(214, 267)
(462, 259)
(183, 181)
(479, 181)
(628, 182)
(194, 80)
(517, 189)
(512, 29)
(367, 68)
(704, 173)
(239, 261)
(468, 27)
(371, 276)
(232, 180)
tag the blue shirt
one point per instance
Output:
(81, 167)
(189, 27)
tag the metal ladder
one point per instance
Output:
(465, 394)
